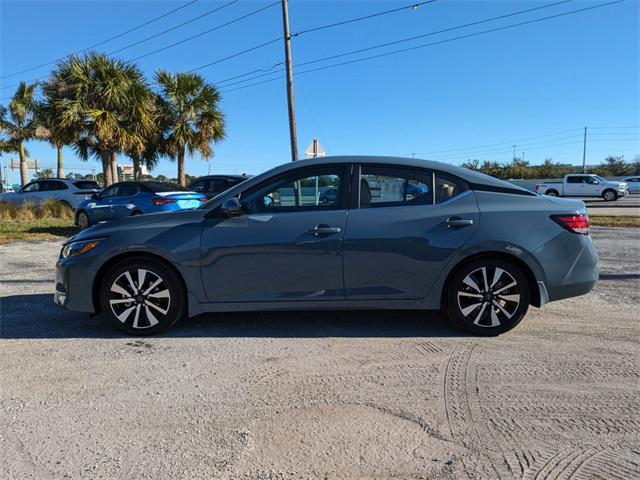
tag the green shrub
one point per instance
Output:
(26, 212)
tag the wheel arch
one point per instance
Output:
(111, 262)
(77, 214)
(534, 289)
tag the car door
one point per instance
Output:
(574, 185)
(29, 193)
(406, 226)
(286, 245)
(100, 208)
(591, 187)
(123, 203)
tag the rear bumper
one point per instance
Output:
(570, 263)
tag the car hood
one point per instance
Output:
(615, 184)
(128, 223)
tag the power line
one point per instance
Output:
(416, 47)
(166, 47)
(137, 27)
(237, 54)
(408, 39)
(414, 6)
(437, 32)
(217, 27)
(180, 25)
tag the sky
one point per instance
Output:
(535, 86)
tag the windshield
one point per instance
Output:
(598, 177)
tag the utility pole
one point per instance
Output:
(523, 156)
(287, 54)
(584, 152)
(514, 152)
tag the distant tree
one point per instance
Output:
(518, 168)
(191, 117)
(635, 166)
(492, 168)
(45, 173)
(18, 125)
(613, 166)
(471, 164)
(551, 169)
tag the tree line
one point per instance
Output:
(520, 169)
(103, 107)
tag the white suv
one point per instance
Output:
(71, 192)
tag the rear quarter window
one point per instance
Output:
(86, 185)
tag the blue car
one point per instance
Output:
(125, 199)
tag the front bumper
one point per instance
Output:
(74, 285)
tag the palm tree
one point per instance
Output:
(191, 117)
(20, 125)
(49, 128)
(106, 102)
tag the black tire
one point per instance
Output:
(82, 220)
(136, 212)
(551, 193)
(144, 314)
(609, 195)
(492, 314)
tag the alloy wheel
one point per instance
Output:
(139, 298)
(609, 196)
(83, 221)
(488, 296)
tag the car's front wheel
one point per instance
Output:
(487, 296)
(142, 296)
(610, 195)
(83, 221)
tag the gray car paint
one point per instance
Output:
(381, 259)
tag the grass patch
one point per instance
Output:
(51, 220)
(632, 221)
(44, 229)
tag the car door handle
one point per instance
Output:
(457, 222)
(323, 230)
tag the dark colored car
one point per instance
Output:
(212, 185)
(125, 199)
(400, 234)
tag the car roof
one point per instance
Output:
(463, 173)
(226, 177)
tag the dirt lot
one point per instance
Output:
(322, 395)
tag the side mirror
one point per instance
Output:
(231, 207)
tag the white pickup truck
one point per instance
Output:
(584, 185)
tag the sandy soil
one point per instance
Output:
(322, 395)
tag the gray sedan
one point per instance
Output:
(399, 234)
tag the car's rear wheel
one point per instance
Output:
(488, 296)
(83, 221)
(609, 195)
(142, 296)
(551, 193)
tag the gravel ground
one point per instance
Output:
(322, 395)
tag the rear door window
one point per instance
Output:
(382, 186)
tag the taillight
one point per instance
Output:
(574, 223)
(162, 201)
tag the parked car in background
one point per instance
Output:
(212, 185)
(480, 249)
(584, 185)
(633, 183)
(329, 195)
(126, 199)
(71, 192)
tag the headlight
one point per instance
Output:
(72, 249)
